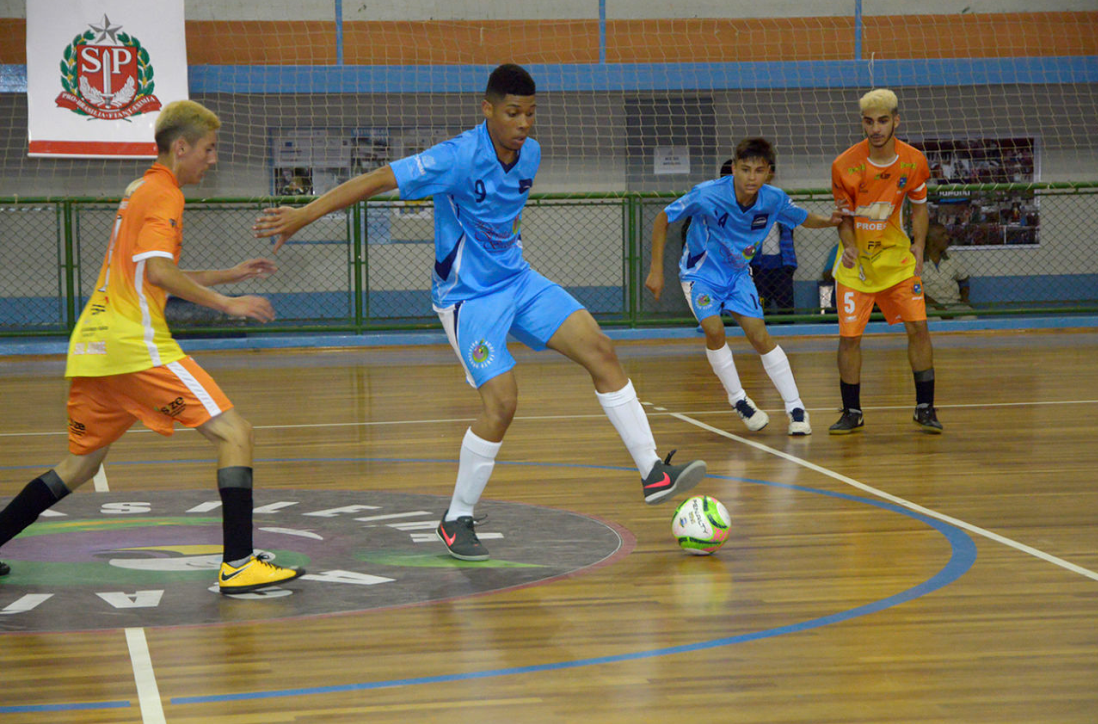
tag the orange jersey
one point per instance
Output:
(875, 194)
(122, 329)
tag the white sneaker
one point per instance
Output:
(798, 422)
(752, 416)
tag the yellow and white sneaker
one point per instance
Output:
(257, 573)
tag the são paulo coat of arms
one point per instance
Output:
(106, 74)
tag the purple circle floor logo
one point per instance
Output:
(122, 559)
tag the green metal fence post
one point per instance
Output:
(354, 220)
(70, 264)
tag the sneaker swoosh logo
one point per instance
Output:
(232, 575)
(661, 483)
(448, 539)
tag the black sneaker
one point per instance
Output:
(666, 479)
(928, 419)
(851, 421)
(4, 569)
(460, 538)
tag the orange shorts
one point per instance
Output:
(901, 302)
(102, 408)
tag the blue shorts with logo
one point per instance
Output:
(531, 308)
(707, 299)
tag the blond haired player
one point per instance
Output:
(879, 263)
(125, 366)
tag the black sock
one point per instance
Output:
(852, 395)
(36, 496)
(924, 387)
(235, 486)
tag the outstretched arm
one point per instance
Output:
(249, 269)
(815, 221)
(163, 273)
(654, 283)
(285, 221)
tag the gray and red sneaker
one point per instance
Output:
(666, 479)
(460, 538)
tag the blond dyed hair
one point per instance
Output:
(880, 99)
(188, 119)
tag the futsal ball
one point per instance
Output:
(701, 525)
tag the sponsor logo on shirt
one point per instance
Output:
(77, 428)
(749, 252)
(759, 222)
(525, 184)
(99, 347)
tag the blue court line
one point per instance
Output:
(962, 558)
(64, 707)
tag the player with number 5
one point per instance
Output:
(879, 263)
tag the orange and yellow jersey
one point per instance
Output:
(874, 193)
(122, 329)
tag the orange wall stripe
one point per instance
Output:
(257, 42)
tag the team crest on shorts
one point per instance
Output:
(481, 354)
(703, 301)
(917, 289)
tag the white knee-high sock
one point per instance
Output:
(777, 366)
(721, 362)
(625, 412)
(475, 463)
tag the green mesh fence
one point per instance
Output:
(1027, 249)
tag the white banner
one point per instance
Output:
(98, 72)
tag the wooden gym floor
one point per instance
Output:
(888, 576)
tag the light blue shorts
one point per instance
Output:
(531, 308)
(709, 300)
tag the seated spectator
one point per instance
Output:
(945, 279)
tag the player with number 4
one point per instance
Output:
(879, 263)
(730, 218)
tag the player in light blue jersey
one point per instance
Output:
(483, 289)
(729, 219)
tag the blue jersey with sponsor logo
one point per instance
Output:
(724, 236)
(478, 211)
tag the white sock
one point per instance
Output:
(625, 412)
(777, 366)
(475, 463)
(721, 362)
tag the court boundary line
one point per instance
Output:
(896, 500)
(148, 693)
(660, 412)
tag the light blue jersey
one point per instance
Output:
(723, 236)
(478, 211)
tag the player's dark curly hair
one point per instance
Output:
(508, 79)
(750, 148)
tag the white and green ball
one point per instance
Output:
(701, 525)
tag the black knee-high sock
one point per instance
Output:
(852, 395)
(36, 496)
(924, 387)
(235, 486)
